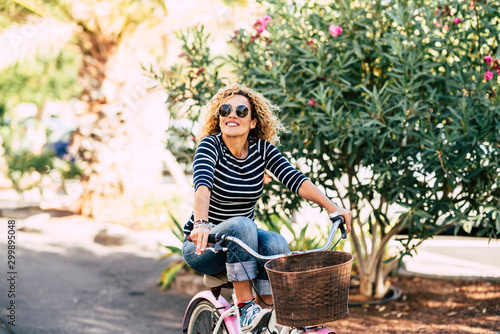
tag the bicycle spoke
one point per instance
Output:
(203, 320)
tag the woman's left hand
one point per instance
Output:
(347, 217)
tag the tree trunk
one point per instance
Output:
(366, 285)
(381, 284)
(121, 138)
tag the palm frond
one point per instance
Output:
(169, 274)
(33, 7)
(44, 37)
(173, 250)
(178, 231)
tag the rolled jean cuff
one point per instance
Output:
(241, 271)
(263, 287)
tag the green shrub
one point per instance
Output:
(26, 169)
(397, 116)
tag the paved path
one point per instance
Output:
(456, 257)
(66, 283)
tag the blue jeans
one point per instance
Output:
(239, 265)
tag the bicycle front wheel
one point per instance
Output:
(204, 318)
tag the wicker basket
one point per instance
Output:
(310, 289)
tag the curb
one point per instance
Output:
(189, 284)
(404, 272)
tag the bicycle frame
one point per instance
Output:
(229, 314)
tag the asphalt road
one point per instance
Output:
(66, 283)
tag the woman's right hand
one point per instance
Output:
(199, 236)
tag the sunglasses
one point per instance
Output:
(241, 110)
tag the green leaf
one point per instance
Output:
(169, 274)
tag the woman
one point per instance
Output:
(234, 149)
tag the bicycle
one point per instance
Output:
(209, 312)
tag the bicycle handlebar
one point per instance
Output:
(336, 219)
(215, 238)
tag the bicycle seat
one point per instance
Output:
(217, 280)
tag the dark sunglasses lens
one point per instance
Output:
(225, 110)
(242, 111)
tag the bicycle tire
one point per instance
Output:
(203, 319)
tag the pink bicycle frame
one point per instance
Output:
(231, 321)
(220, 303)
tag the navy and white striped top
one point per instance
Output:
(237, 184)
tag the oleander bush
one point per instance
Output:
(392, 106)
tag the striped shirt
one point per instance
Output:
(236, 184)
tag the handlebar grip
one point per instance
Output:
(215, 238)
(336, 216)
(342, 229)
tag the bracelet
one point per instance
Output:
(202, 222)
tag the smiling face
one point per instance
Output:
(233, 126)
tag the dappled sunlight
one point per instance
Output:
(449, 303)
(485, 295)
(428, 306)
(456, 328)
(104, 319)
(406, 323)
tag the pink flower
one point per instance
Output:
(488, 60)
(261, 24)
(335, 30)
(457, 20)
(311, 102)
(182, 54)
(488, 75)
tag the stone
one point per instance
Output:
(111, 236)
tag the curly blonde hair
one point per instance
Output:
(268, 124)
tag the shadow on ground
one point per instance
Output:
(74, 290)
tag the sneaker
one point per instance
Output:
(253, 317)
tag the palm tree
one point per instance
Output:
(121, 126)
